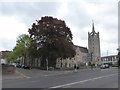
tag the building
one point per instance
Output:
(3, 56)
(83, 55)
(113, 59)
(94, 46)
(79, 59)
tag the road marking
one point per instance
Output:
(57, 73)
(11, 78)
(22, 74)
(45, 75)
(59, 86)
(67, 86)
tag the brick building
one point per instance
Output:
(3, 56)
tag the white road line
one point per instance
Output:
(81, 81)
(58, 73)
(45, 75)
(22, 74)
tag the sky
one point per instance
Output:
(17, 16)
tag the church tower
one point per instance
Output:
(94, 46)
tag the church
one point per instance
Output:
(84, 55)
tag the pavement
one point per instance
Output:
(16, 75)
(24, 73)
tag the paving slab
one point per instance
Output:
(16, 75)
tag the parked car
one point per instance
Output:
(26, 67)
(14, 64)
(104, 66)
(18, 65)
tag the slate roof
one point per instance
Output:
(82, 49)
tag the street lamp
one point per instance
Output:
(118, 56)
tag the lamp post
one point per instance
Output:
(47, 63)
(118, 57)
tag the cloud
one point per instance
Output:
(79, 19)
(7, 44)
(10, 29)
(28, 12)
(78, 15)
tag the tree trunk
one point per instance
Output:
(43, 63)
(52, 61)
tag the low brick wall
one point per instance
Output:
(8, 69)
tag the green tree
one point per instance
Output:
(10, 57)
(51, 39)
(21, 49)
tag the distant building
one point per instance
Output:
(3, 56)
(94, 46)
(113, 59)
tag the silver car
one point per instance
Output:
(104, 66)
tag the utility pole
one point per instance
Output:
(47, 63)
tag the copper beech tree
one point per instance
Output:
(51, 39)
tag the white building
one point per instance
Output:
(113, 59)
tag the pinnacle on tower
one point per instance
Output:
(93, 29)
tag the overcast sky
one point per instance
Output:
(17, 17)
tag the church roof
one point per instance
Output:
(82, 49)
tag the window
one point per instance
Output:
(61, 65)
(69, 65)
(65, 64)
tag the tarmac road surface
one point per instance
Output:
(87, 78)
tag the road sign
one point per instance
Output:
(89, 57)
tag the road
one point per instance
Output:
(97, 78)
